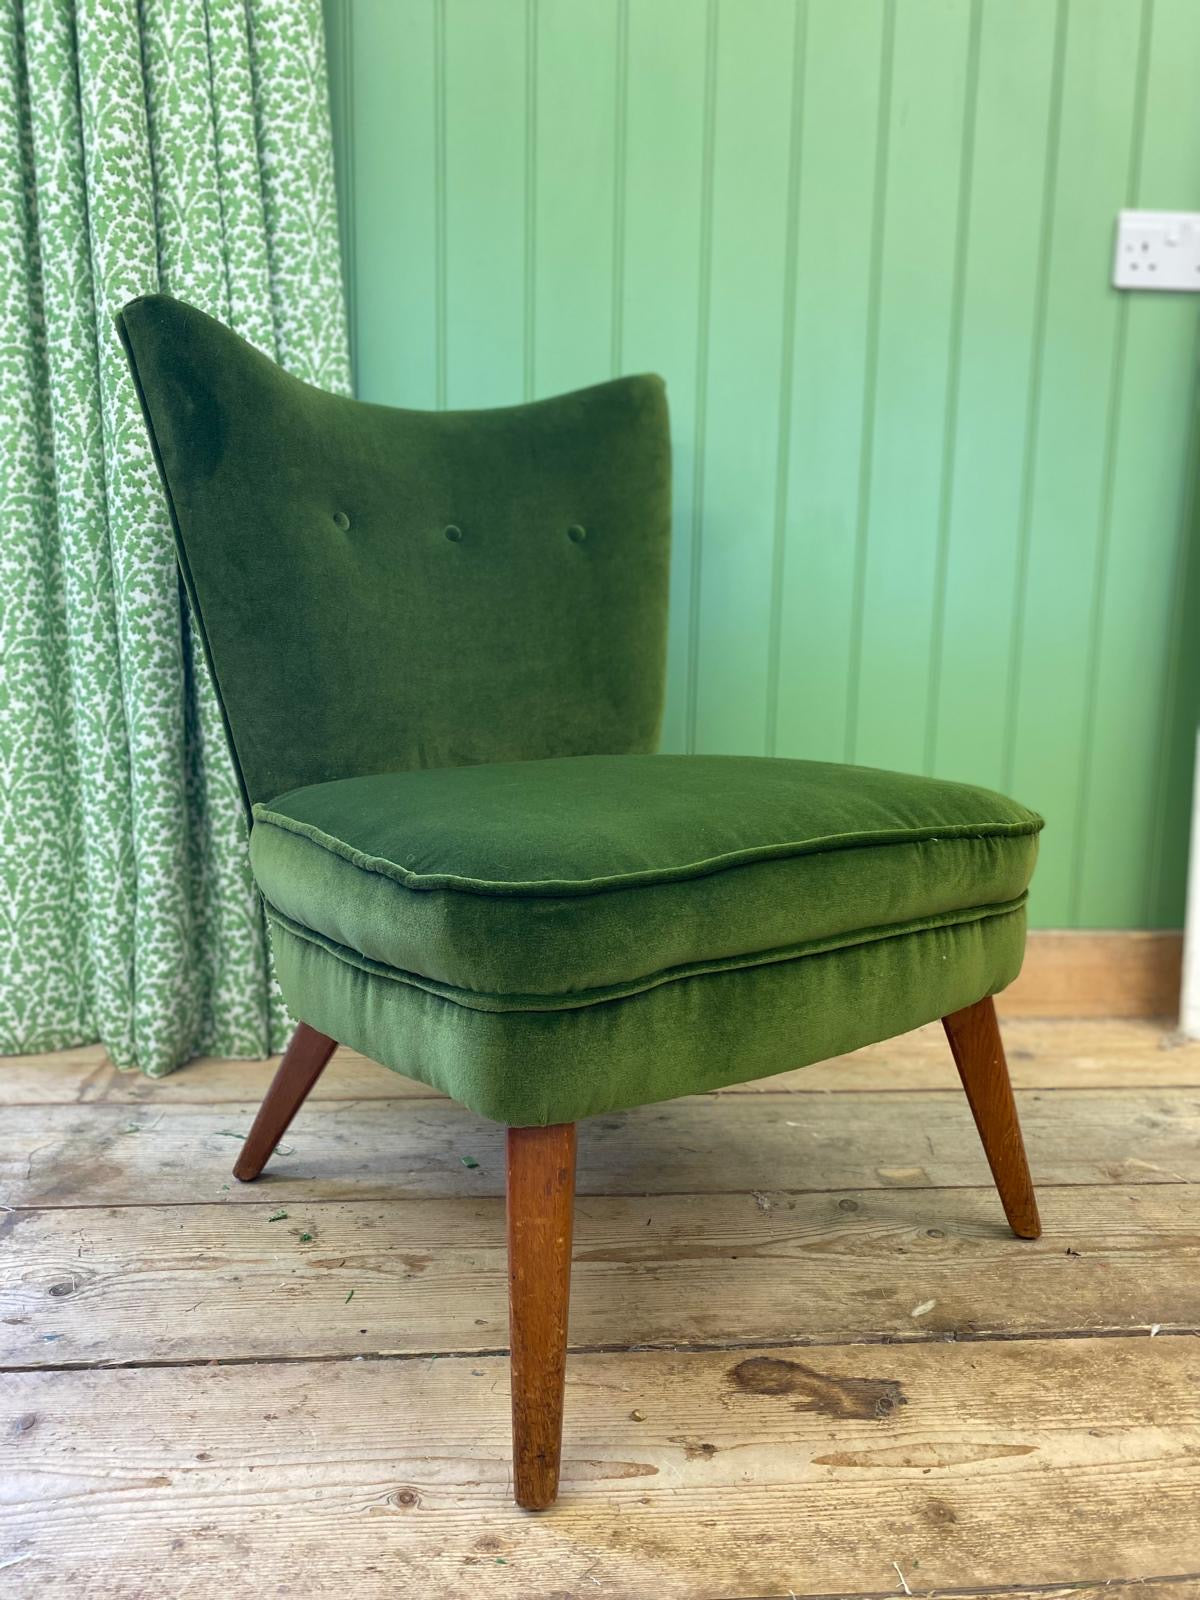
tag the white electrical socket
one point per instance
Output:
(1157, 250)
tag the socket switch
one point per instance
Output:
(1157, 250)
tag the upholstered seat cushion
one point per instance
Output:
(552, 887)
(560, 883)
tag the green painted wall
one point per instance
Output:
(932, 473)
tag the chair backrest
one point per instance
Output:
(379, 589)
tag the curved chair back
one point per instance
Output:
(380, 589)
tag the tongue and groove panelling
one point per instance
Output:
(934, 478)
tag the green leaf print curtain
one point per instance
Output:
(177, 145)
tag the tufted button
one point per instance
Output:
(453, 533)
(576, 534)
(341, 520)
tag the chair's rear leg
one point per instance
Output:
(303, 1063)
(974, 1037)
(541, 1193)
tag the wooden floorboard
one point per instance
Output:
(394, 1149)
(740, 1474)
(807, 1357)
(194, 1283)
(1071, 1054)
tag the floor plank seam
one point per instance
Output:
(719, 1347)
(949, 1092)
(1170, 1181)
(987, 1591)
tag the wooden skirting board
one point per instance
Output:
(1097, 973)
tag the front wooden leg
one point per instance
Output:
(303, 1063)
(974, 1036)
(541, 1194)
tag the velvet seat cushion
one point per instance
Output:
(559, 884)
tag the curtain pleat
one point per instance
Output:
(46, 948)
(184, 146)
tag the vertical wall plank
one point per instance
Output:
(1050, 672)
(749, 209)
(1014, 136)
(576, 149)
(393, 200)
(934, 478)
(490, 52)
(660, 266)
(787, 380)
(1179, 714)
(844, 63)
(1151, 468)
(916, 312)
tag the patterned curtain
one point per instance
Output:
(177, 145)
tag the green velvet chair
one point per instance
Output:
(438, 642)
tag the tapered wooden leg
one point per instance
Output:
(302, 1064)
(974, 1036)
(541, 1193)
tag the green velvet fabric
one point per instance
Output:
(558, 882)
(438, 642)
(544, 1066)
(381, 589)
